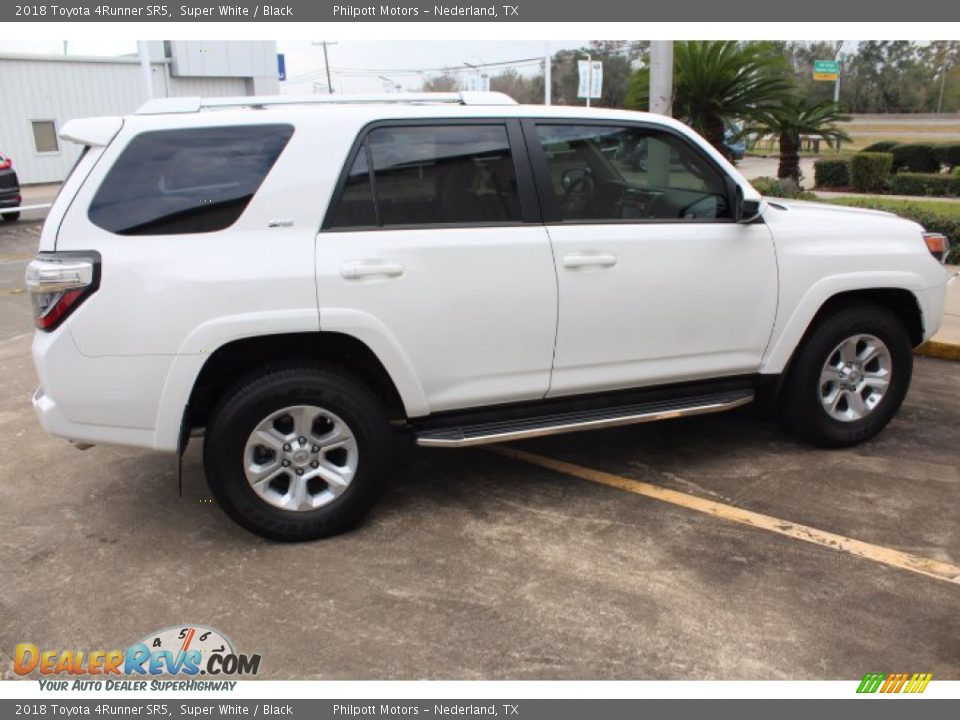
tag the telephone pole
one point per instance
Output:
(661, 76)
(326, 62)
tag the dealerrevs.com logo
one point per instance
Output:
(190, 650)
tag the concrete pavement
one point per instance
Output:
(476, 566)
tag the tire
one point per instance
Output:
(10, 217)
(279, 403)
(820, 403)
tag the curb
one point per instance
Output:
(940, 350)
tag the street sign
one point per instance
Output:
(591, 79)
(478, 82)
(826, 70)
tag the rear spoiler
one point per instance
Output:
(94, 131)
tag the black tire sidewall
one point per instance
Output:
(249, 403)
(802, 409)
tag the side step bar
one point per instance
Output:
(503, 431)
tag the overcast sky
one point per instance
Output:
(356, 65)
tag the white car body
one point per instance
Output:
(459, 317)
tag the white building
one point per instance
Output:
(38, 93)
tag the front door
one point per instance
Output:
(657, 283)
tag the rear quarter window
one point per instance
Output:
(197, 180)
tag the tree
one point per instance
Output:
(797, 116)
(523, 89)
(447, 82)
(619, 59)
(718, 82)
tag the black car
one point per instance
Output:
(9, 189)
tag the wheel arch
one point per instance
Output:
(901, 301)
(237, 358)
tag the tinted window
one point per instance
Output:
(186, 181)
(444, 174)
(624, 173)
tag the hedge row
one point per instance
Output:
(869, 172)
(919, 157)
(831, 173)
(931, 185)
(772, 187)
(915, 157)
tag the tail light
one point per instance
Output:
(59, 282)
(6, 164)
(938, 245)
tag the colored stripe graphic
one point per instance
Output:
(894, 682)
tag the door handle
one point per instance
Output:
(357, 269)
(588, 259)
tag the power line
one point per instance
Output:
(410, 71)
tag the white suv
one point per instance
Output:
(303, 280)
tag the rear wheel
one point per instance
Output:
(298, 453)
(849, 377)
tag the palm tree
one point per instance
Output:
(797, 116)
(717, 82)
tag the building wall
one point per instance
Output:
(62, 88)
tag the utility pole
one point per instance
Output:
(144, 52)
(589, 78)
(547, 73)
(661, 76)
(836, 87)
(326, 62)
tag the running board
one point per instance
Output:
(506, 430)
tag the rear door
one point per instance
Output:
(657, 283)
(433, 245)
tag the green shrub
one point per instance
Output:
(831, 173)
(915, 157)
(772, 187)
(948, 155)
(882, 146)
(948, 225)
(869, 172)
(926, 184)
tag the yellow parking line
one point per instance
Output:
(876, 553)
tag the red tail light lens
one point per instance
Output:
(6, 164)
(59, 282)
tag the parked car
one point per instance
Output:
(9, 189)
(305, 283)
(735, 144)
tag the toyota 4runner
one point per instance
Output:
(303, 280)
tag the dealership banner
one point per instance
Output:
(362, 709)
(482, 11)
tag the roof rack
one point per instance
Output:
(196, 104)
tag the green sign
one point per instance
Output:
(826, 70)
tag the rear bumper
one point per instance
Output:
(110, 400)
(53, 421)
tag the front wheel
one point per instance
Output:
(849, 377)
(298, 453)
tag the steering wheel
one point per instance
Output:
(578, 196)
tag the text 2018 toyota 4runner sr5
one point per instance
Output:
(304, 279)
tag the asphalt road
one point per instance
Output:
(479, 566)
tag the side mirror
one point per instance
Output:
(744, 211)
(749, 211)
